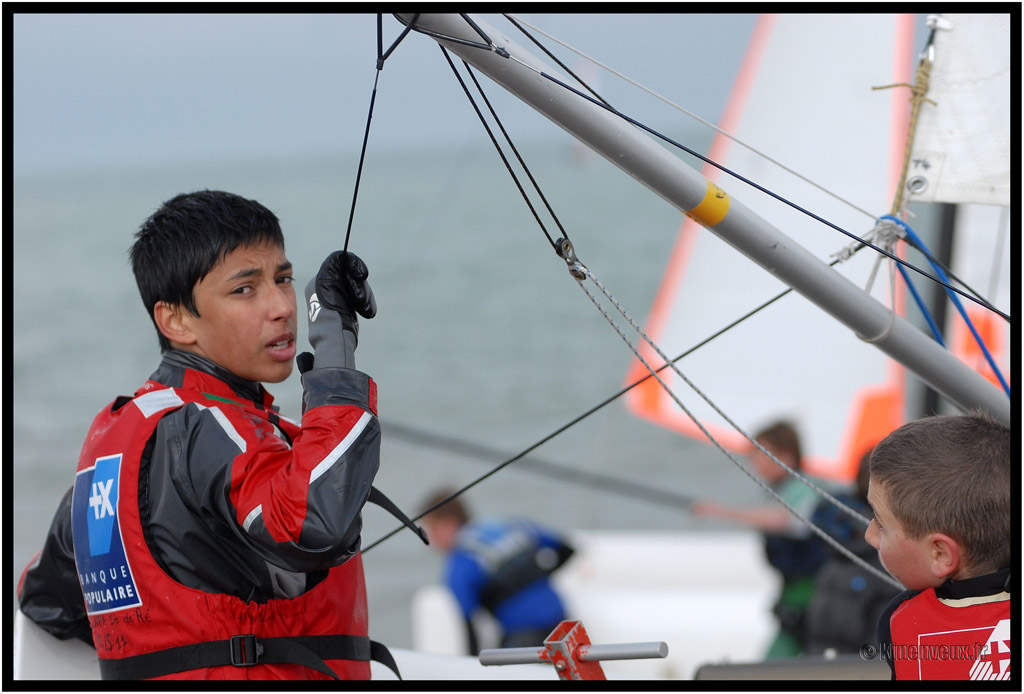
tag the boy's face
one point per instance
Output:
(247, 311)
(909, 561)
(441, 531)
(766, 468)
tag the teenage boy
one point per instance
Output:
(206, 536)
(940, 492)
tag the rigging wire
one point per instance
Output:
(490, 46)
(519, 157)
(580, 276)
(533, 210)
(381, 57)
(563, 473)
(560, 248)
(763, 189)
(487, 45)
(665, 497)
(501, 153)
(517, 20)
(582, 270)
(579, 272)
(604, 403)
(562, 65)
(883, 222)
(918, 100)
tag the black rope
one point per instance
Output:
(381, 57)
(675, 500)
(770, 193)
(599, 101)
(452, 443)
(497, 146)
(604, 102)
(547, 468)
(579, 418)
(489, 46)
(478, 30)
(557, 61)
(952, 275)
(515, 151)
(363, 155)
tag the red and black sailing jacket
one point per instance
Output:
(216, 540)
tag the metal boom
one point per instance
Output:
(690, 192)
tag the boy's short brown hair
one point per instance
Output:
(450, 506)
(951, 474)
(780, 438)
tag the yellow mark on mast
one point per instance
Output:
(712, 209)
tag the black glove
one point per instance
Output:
(333, 298)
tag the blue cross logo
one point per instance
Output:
(101, 517)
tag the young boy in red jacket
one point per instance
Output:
(940, 491)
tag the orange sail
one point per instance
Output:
(802, 97)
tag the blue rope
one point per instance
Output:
(936, 333)
(956, 302)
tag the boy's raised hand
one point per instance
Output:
(333, 298)
(341, 285)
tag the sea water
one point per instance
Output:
(482, 335)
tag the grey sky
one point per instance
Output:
(98, 90)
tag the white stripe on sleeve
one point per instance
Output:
(339, 450)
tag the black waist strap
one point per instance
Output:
(246, 650)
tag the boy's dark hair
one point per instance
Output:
(782, 437)
(453, 508)
(951, 474)
(183, 240)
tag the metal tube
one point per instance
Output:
(512, 656)
(685, 189)
(623, 651)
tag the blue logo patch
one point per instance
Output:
(106, 578)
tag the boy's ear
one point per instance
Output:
(173, 323)
(945, 555)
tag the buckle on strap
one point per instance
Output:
(245, 650)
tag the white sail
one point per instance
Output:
(962, 145)
(803, 97)
(961, 155)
